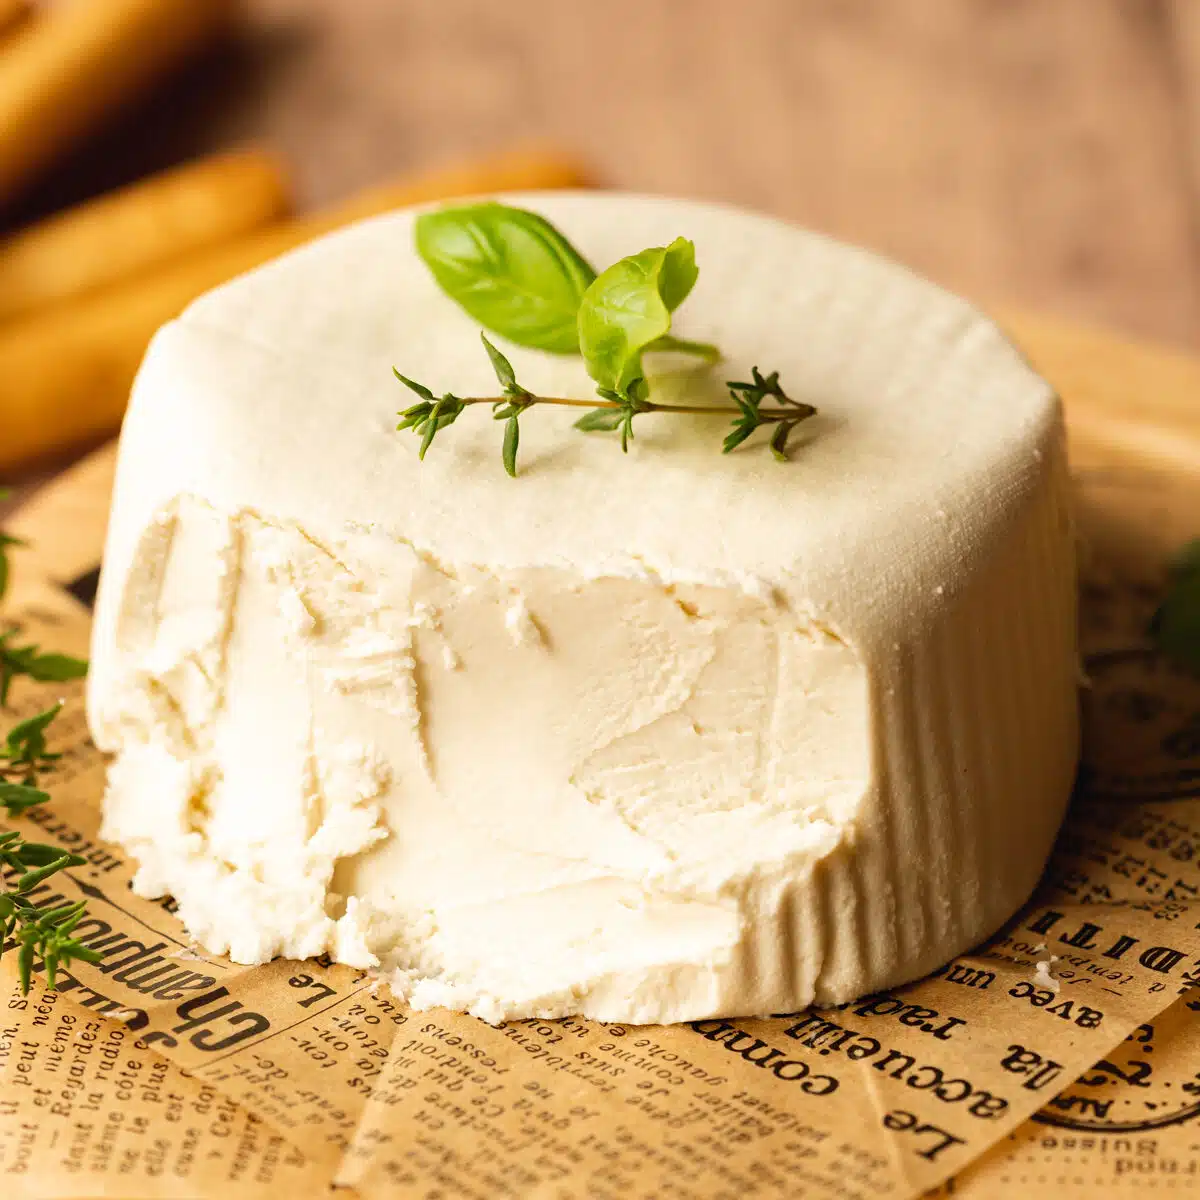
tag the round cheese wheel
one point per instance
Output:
(647, 737)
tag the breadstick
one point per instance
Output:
(65, 373)
(123, 234)
(77, 62)
(12, 12)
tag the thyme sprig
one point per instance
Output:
(613, 412)
(30, 662)
(7, 541)
(1175, 626)
(36, 932)
(25, 752)
(39, 932)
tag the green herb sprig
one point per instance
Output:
(24, 752)
(36, 932)
(519, 277)
(30, 662)
(39, 931)
(615, 410)
(6, 542)
(42, 933)
(1176, 625)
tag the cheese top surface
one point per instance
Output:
(927, 420)
(645, 736)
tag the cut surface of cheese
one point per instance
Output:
(646, 737)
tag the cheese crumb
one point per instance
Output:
(521, 626)
(296, 613)
(1042, 974)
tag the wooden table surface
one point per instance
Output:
(1037, 151)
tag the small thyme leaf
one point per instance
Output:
(430, 427)
(741, 431)
(25, 964)
(600, 420)
(32, 878)
(17, 797)
(415, 416)
(626, 430)
(412, 385)
(6, 541)
(779, 440)
(503, 368)
(512, 439)
(35, 854)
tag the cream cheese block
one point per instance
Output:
(646, 737)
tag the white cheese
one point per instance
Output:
(650, 737)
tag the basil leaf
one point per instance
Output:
(628, 309)
(510, 269)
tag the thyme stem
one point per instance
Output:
(796, 412)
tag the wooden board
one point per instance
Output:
(1133, 412)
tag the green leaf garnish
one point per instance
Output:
(627, 311)
(517, 275)
(510, 269)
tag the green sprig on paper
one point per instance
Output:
(38, 933)
(25, 751)
(30, 662)
(7, 541)
(1176, 625)
(517, 275)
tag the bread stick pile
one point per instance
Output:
(82, 292)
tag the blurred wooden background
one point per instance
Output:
(1037, 151)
